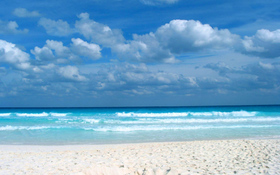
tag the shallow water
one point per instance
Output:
(52, 126)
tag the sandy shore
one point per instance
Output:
(196, 157)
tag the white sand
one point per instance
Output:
(197, 157)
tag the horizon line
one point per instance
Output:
(190, 106)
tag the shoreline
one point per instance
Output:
(76, 145)
(240, 156)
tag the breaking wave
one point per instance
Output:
(12, 128)
(4, 114)
(166, 121)
(43, 114)
(161, 128)
(184, 114)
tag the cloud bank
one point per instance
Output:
(68, 68)
(169, 40)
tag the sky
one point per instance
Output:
(119, 53)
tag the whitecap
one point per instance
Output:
(4, 114)
(43, 114)
(58, 114)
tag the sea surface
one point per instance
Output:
(64, 126)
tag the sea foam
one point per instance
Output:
(12, 128)
(184, 114)
(4, 114)
(162, 128)
(43, 114)
(58, 114)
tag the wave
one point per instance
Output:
(13, 128)
(181, 121)
(91, 121)
(185, 114)
(58, 114)
(169, 114)
(43, 114)
(129, 128)
(217, 113)
(168, 120)
(4, 114)
(162, 128)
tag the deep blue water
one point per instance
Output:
(52, 126)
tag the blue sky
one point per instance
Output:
(96, 53)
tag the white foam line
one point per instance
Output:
(156, 128)
(12, 128)
(91, 120)
(4, 114)
(44, 114)
(58, 114)
(234, 120)
(184, 114)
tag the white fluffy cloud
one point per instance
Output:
(264, 44)
(85, 49)
(169, 40)
(10, 27)
(183, 36)
(97, 32)
(61, 51)
(22, 12)
(174, 38)
(12, 55)
(43, 53)
(71, 73)
(144, 48)
(56, 28)
(53, 51)
(56, 52)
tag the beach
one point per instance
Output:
(140, 141)
(246, 156)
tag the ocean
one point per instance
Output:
(69, 126)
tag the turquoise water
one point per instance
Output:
(60, 126)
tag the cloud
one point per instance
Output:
(61, 51)
(85, 49)
(97, 32)
(52, 51)
(158, 2)
(220, 67)
(169, 41)
(13, 56)
(144, 48)
(56, 28)
(11, 27)
(254, 76)
(183, 36)
(71, 73)
(43, 53)
(56, 52)
(138, 79)
(23, 13)
(264, 44)
(175, 38)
